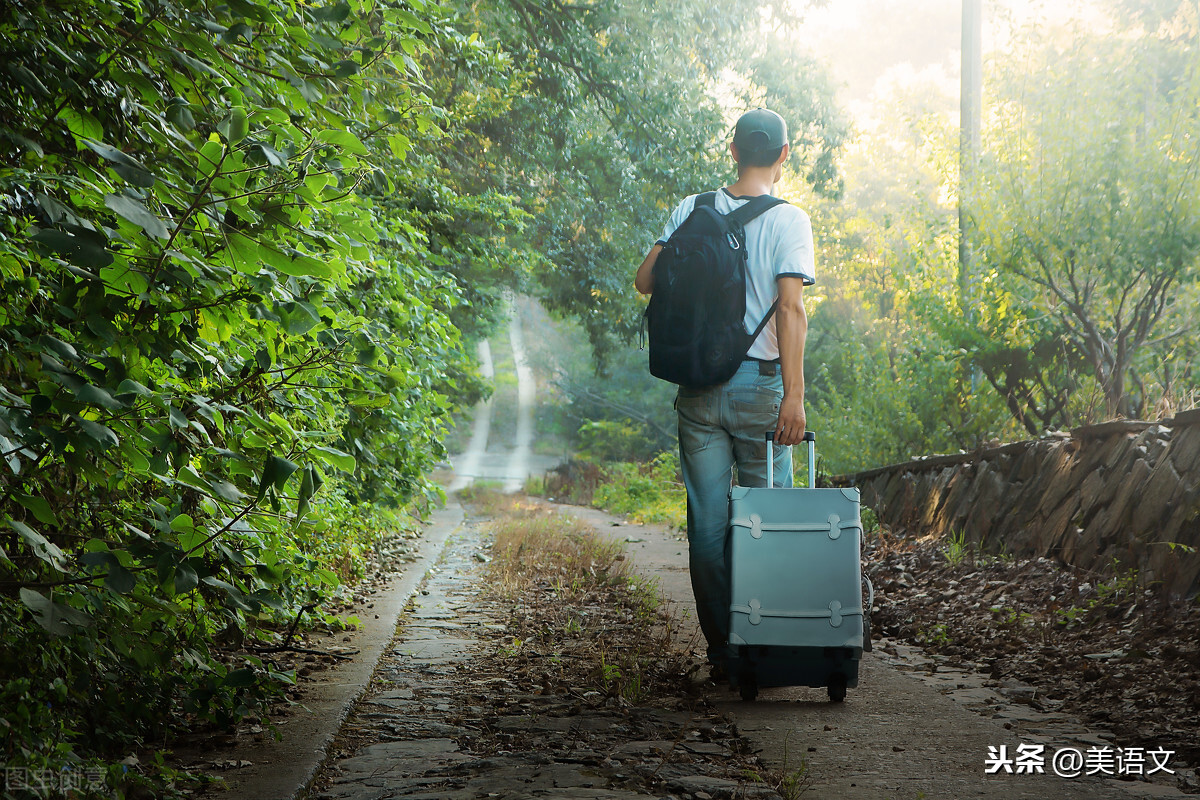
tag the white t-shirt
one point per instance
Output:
(779, 244)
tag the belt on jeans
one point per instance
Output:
(766, 367)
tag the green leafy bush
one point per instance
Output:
(649, 492)
(223, 355)
(610, 440)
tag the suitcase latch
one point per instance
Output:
(756, 530)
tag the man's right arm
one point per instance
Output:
(792, 327)
(644, 282)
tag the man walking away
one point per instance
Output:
(725, 425)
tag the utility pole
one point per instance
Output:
(971, 121)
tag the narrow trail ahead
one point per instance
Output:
(501, 448)
(468, 464)
(519, 461)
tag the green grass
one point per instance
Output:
(650, 493)
(958, 549)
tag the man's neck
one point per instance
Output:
(753, 182)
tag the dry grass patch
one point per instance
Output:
(534, 545)
(580, 617)
(485, 499)
(585, 645)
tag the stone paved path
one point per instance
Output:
(433, 726)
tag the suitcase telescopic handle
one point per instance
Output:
(811, 439)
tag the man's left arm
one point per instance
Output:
(644, 282)
(792, 328)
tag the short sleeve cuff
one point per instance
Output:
(808, 279)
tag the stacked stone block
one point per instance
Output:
(1119, 495)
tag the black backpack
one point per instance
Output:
(698, 306)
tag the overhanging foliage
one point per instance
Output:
(218, 341)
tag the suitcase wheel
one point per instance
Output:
(837, 687)
(748, 685)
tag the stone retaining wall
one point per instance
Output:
(1119, 490)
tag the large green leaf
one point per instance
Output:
(81, 124)
(192, 539)
(57, 618)
(234, 597)
(38, 505)
(297, 264)
(341, 460)
(131, 387)
(128, 168)
(189, 477)
(119, 579)
(227, 491)
(78, 245)
(308, 487)
(240, 678)
(9, 451)
(98, 396)
(138, 214)
(276, 471)
(343, 139)
(101, 434)
(245, 253)
(40, 546)
(185, 578)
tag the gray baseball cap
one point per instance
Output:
(760, 130)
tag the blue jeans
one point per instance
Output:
(719, 427)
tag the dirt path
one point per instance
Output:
(503, 436)
(468, 463)
(519, 461)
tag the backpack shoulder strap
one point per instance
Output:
(740, 216)
(706, 199)
(765, 320)
(752, 209)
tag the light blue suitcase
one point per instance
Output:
(796, 615)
